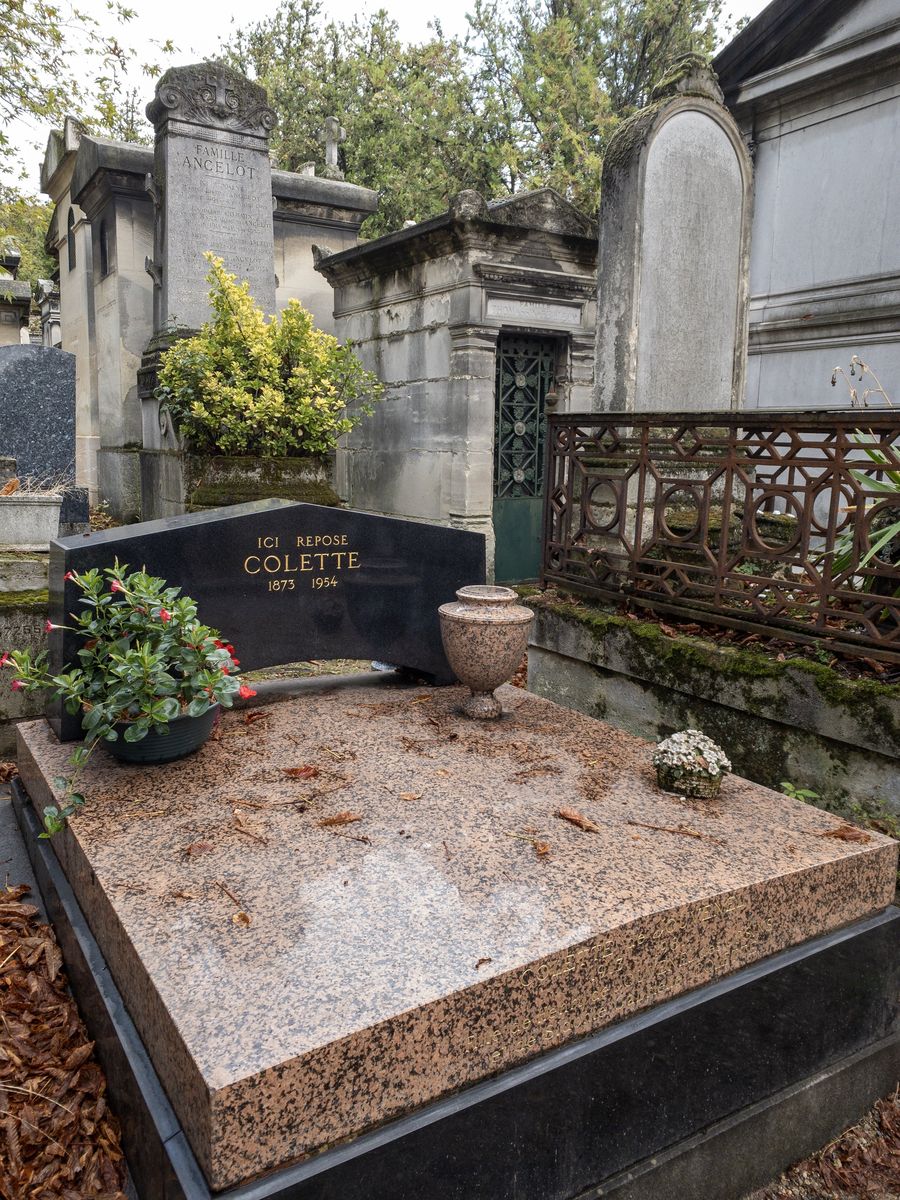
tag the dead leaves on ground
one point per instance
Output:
(9, 487)
(58, 1139)
(307, 771)
(341, 818)
(8, 771)
(574, 817)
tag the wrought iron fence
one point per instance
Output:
(773, 522)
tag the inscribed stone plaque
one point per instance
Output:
(213, 187)
(289, 582)
(533, 310)
(688, 318)
(672, 288)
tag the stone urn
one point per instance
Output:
(485, 633)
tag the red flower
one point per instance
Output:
(246, 692)
(164, 615)
(17, 685)
(69, 576)
(236, 661)
(224, 670)
(219, 645)
(4, 658)
(49, 627)
(115, 586)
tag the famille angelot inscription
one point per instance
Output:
(226, 162)
(312, 560)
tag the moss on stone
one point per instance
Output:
(871, 702)
(33, 599)
(218, 495)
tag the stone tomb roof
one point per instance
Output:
(469, 220)
(104, 166)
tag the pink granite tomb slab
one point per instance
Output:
(394, 959)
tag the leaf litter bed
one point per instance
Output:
(863, 1163)
(58, 1138)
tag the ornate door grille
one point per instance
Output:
(525, 373)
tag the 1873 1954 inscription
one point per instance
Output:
(317, 560)
(290, 582)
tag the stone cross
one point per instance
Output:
(333, 133)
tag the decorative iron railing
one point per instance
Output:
(764, 521)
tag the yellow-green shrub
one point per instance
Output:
(250, 386)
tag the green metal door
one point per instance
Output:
(526, 367)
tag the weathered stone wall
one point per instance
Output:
(825, 250)
(795, 721)
(24, 605)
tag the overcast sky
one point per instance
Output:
(198, 27)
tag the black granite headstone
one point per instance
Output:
(37, 422)
(288, 582)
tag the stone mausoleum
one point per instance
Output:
(478, 322)
(103, 233)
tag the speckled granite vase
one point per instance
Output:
(485, 633)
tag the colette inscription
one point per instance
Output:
(321, 557)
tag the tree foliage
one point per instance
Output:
(529, 98)
(25, 219)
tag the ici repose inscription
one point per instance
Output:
(316, 559)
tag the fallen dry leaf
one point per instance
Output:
(307, 771)
(341, 818)
(10, 487)
(411, 795)
(542, 849)
(240, 918)
(574, 817)
(195, 849)
(683, 830)
(482, 962)
(8, 770)
(251, 718)
(182, 895)
(847, 833)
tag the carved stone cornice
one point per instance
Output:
(212, 95)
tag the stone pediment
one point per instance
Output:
(212, 95)
(545, 209)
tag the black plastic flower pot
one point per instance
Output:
(186, 735)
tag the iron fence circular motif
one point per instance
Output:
(670, 509)
(600, 500)
(782, 521)
(877, 521)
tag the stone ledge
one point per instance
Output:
(443, 947)
(798, 695)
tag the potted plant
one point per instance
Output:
(690, 764)
(150, 679)
(258, 404)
